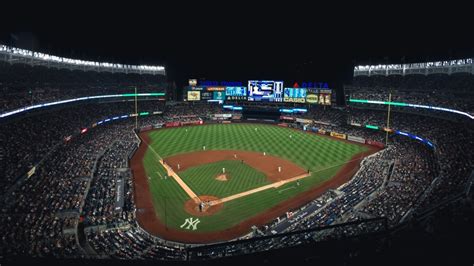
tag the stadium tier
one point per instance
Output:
(197, 180)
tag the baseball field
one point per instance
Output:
(212, 183)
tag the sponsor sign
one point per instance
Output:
(355, 124)
(158, 125)
(198, 122)
(287, 118)
(338, 135)
(194, 95)
(304, 121)
(223, 115)
(312, 98)
(237, 116)
(173, 124)
(215, 88)
(356, 139)
(322, 131)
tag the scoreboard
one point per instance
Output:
(265, 91)
(260, 91)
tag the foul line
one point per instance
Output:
(183, 185)
(273, 185)
(255, 190)
(176, 177)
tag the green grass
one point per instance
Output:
(323, 156)
(201, 179)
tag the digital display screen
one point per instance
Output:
(295, 95)
(218, 95)
(206, 95)
(265, 91)
(312, 98)
(324, 99)
(236, 93)
(194, 95)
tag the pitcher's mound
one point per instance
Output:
(192, 207)
(223, 177)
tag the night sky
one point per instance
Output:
(223, 41)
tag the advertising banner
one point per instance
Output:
(158, 125)
(304, 121)
(194, 95)
(215, 88)
(287, 118)
(206, 95)
(312, 98)
(236, 93)
(356, 139)
(197, 122)
(223, 115)
(173, 124)
(355, 124)
(294, 95)
(323, 123)
(338, 135)
(237, 116)
(218, 95)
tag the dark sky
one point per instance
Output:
(222, 41)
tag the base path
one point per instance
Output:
(181, 183)
(255, 190)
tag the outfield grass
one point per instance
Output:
(323, 156)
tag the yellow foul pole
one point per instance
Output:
(136, 109)
(388, 118)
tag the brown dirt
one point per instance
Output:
(223, 177)
(149, 221)
(266, 164)
(193, 208)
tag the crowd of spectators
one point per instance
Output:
(23, 85)
(25, 141)
(76, 180)
(440, 90)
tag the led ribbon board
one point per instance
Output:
(412, 105)
(24, 109)
(414, 137)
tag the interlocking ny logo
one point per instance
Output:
(191, 223)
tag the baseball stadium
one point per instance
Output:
(112, 162)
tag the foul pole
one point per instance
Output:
(388, 118)
(136, 109)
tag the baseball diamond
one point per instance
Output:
(256, 190)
